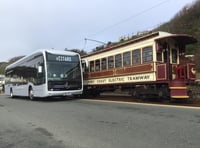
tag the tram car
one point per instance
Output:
(151, 65)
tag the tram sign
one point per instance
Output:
(122, 79)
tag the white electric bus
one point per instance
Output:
(45, 73)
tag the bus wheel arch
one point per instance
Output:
(30, 93)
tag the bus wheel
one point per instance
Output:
(11, 93)
(30, 94)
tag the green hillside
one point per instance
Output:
(4, 64)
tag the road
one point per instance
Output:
(95, 124)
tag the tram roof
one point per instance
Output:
(181, 38)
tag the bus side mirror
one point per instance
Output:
(84, 65)
(40, 69)
(84, 62)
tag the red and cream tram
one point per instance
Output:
(152, 65)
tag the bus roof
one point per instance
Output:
(52, 51)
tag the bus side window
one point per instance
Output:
(40, 74)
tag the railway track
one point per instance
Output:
(128, 98)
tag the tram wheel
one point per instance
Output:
(135, 94)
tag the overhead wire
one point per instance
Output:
(127, 19)
(130, 17)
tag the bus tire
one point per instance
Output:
(30, 93)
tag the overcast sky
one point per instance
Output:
(28, 25)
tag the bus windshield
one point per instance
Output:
(63, 72)
(62, 67)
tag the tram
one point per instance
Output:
(150, 65)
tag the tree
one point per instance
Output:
(81, 52)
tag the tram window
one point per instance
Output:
(136, 56)
(147, 54)
(126, 59)
(97, 65)
(104, 64)
(118, 61)
(165, 52)
(174, 56)
(91, 66)
(159, 56)
(110, 62)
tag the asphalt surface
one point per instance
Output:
(69, 123)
